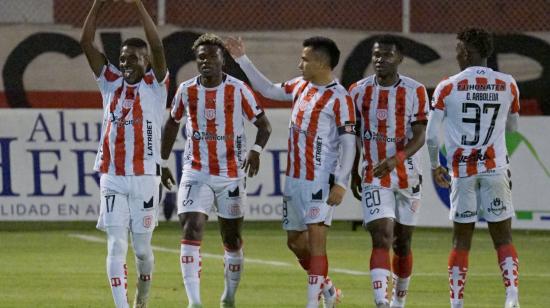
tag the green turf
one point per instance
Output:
(43, 266)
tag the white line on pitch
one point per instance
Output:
(97, 239)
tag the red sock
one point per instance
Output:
(318, 265)
(402, 265)
(458, 267)
(509, 266)
(380, 258)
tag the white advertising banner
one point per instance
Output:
(46, 159)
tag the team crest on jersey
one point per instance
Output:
(210, 113)
(314, 212)
(128, 103)
(147, 221)
(381, 114)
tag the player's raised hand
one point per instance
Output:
(355, 186)
(166, 178)
(384, 167)
(251, 164)
(235, 46)
(336, 195)
(441, 176)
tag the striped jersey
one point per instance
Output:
(132, 120)
(216, 141)
(387, 115)
(476, 103)
(319, 115)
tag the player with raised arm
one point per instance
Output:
(476, 106)
(321, 147)
(215, 162)
(393, 115)
(134, 101)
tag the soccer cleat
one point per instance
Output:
(511, 303)
(194, 306)
(227, 304)
(335, 299)
(382, 305)
(140, 302)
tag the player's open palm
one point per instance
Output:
(251, 165)
(235, 46)
(167, 178)
(355, 186)
(336, 195)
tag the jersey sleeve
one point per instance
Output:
(442, 90)
(514, 108)
(344, 114)
(291, 86)
(178, 107)
(250, 106)
(108, 80)
(420, 105)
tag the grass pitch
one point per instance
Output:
(63, 265)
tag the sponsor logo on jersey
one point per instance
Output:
(149, 137)
(128, 103)
(211, 137)
(497, 207)
(479, 157)
(481, 87)
(376, 136)
(466, 214)
(318, 150)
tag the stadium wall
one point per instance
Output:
(44, 67)
(47, 155)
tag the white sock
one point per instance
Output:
(314, 290)
(380, 278)
(233, 267)
(457, 281)
(117, 247)
(190, 262)
(328, 288)
(144, 264)
(400, 290)
(510, 269)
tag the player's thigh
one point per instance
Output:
(230, 197)
(464, 199)
(293, 207)
(144, 203)
(496, 196)
(377, 202)
(114, 206)
(194, 196)
(407, 205)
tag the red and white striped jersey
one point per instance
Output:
(216, 141)
(476, 103)
(132, 120)
(319, 115)
(387, 115)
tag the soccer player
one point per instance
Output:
(393, 114)
(320, 154)
(215, 162)
(478, 105)
(128, 158)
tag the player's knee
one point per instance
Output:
(117, 247)
(143, 251)
(401, 247)
(191, 231)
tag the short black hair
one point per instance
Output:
(134, 42)
(208, 39)
(480, 39)
(389, 40)
(325, 45)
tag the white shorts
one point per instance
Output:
(305, 202)
(205, 193)
(486, 195)
(129, 201)
(403, 205)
